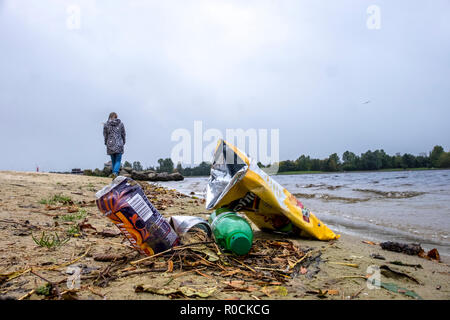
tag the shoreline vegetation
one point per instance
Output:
(358, 171)
(370, 161)
(377, 160)
(50, 221)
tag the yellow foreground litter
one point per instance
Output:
(240, 185)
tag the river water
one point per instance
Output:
(404, 206)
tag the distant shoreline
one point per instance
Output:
(357, 171)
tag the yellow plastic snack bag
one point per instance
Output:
(239, 184)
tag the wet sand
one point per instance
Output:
(342, 270)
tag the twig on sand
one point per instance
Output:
(353, 265)
(310, 253)
(169, 251)
(26, 225)
(27, 295)
(251, 269)
(202, 274)
(95, 292)
(67, 263)
(356, 294)
(19, 273)
(348, 277)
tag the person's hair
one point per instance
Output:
(112, 115)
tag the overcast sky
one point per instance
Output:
(312, 69)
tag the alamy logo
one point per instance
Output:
(190, 148)
(374, 20)
(244, 202)
(374, 277)
(73, 21)
(73, 281)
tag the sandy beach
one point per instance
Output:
(340, 272)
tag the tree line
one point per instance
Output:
(370, 160)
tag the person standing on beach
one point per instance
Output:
(114, 134)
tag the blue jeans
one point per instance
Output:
(116, 159)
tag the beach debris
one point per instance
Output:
(83, 225)
(322, 294)
(267, 264)
(433, 254)
(239, 285)
(125, 203)
(333, 292)
(231, 231)
(184, 224)
(357, 293)
(394, 288)
(49, 207)
(72, 209)
(370, 242)
(237, 183)
(353, 265)
(377, 256)
(274, 290)
(182, 291)
(410, 249)
(309, 266)
(399, 263)
(395, 274)
(109, 257)
(210, 254)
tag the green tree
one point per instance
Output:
(444, 160)
(315, 165)
(423, 161)
(409, 161)
(383, 160)
(397, 161)
(203, 169)
(435, 154)
(350, 161)
(287, 165)
(332, 163)
(370, 161)
(303, 163)
(127, 164)
(137, 166)
(165, 165)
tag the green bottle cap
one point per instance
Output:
(240, 244)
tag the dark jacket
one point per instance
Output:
(114, 133)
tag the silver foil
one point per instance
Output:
(182, 224)
(226, 170)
